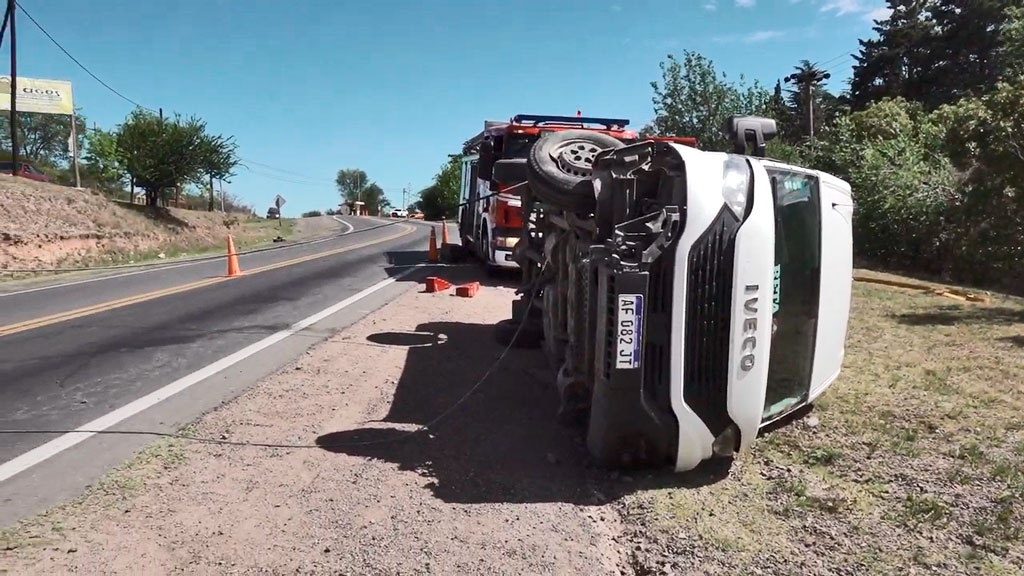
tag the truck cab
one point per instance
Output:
(494, 172)
(688, 297)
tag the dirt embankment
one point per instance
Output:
(45, 226)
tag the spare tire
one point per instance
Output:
(560, 161)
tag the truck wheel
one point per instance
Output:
(560, 161)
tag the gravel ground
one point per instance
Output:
(913, 463)
(495, 488)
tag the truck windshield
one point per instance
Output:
(796, 289)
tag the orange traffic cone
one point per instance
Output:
(432, 251)
(233, 268)
(444, 232)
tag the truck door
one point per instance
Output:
(467, 197)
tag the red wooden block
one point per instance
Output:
(436, 284)
(467, 290)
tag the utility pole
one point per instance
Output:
(807, 80)
(11, 6)
(210, 204)
(74, 150)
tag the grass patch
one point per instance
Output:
(921, 431)
(822, 457)
(112, 491)
(926, 509)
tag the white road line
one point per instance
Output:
(56, 446)
(158, 268)
(350, 227)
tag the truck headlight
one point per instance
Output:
(736, 179)
(506, 242)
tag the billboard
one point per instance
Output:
(35, 95)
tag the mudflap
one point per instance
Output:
(626, 428)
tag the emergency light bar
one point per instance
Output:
(536, 120)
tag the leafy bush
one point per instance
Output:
(891, 154)
(312, 214)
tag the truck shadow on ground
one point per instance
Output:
(952, 314)
(492, 439)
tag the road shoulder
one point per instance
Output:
(497, 487)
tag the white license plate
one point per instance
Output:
(629, 331)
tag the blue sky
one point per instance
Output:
(393, 86)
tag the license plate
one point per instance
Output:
(629, 331)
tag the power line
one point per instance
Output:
(318, 181)
(75, 60)
(277, 178)
(275, 169)
(830, 60)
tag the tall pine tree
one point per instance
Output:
(965, 48)
(898, 62)
(937, 51)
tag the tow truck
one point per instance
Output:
(685, 298)
(493, 174)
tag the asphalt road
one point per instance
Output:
(71, 354)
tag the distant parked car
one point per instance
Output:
(25, 170)
(399, 213)
(273, 213)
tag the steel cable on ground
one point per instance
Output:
(241, 443)
(157, 265)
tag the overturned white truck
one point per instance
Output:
(687, 298)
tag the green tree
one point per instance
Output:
(899, 62)
(218, 160)
(779, 110)
(891, 154)
(103, 160)
(42, 138)
(937, 52)
(375, 199)
(161, 155)
(352, 182)
(965, 50)
(1011, 44)
(694, 100)
(983, 141)
(441, 199)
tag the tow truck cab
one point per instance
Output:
(494, 170)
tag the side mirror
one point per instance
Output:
(485, 165)
(750, 129)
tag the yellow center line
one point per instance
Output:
(120, 303)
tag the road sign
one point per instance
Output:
(279, 201)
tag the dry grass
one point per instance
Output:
(45, 226)
(917, 462)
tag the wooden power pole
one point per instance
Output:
(11, 9)
(806, 81)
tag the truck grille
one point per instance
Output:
(708, 306)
